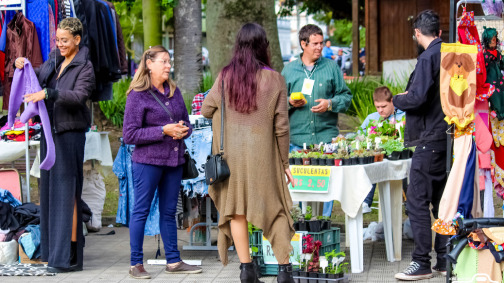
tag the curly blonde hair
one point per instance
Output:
(73, 25)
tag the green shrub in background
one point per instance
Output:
(208, 81)
(362, 90)
(114, 109)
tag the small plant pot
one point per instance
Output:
(332, 276)
(313, 275)
(298, 161)
(395, 155)
(303, 274)
(379, 157)
(354, 161)
(292, 161)
(314, 225)
(361, 160)
(322, 275)
(296, 226)
(337, 162)
(303, 226)
(326, 225)
(341, 275)
(345, 161)
(407, 153)
(330, 162)
(306, 161)
(314, 161)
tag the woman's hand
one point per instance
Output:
(19, 62)
(34, 97)
(176, 131)
(290, 179)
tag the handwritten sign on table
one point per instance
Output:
(310, 179)
(297, 245)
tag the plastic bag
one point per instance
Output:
(8, 252)
(407, 232)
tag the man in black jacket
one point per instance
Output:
(425, 129)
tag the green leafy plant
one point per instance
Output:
(252, 228)
(308, 214)
(114, 109)
(392, 145)
(296, 213)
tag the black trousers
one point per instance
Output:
(60, 188)
(427, 181)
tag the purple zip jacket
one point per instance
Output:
(143, 119)
(25, 82)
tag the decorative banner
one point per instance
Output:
(297, 245)
(310, 179)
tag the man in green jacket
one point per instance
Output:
(321, 82)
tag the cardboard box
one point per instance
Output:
(23, 258)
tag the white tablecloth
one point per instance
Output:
(11, 150)
(98, 148)
(351, 184)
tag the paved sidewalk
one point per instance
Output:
(106, 259)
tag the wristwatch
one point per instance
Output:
(162, 131)
(45, 92)
(329, 106)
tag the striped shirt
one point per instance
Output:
(306, 126)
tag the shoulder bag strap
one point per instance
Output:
(222, 120)
(162, 105)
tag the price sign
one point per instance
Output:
(310, 179)
(297, 247)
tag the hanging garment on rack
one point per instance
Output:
(60, 4)
(494, 64)
(22, 41)
(3, 37)
(448, 205)
(53, 3)
(25, 82)
(81, 15)
(468, 34)
(38, 14)
(465, 203)
(199, 145)
(122, 169)
(52, 30)
(123, 62)
(492, 7)
(458, 82)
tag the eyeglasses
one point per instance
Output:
(165, 62)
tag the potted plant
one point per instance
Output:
(393, 149)
(303, 272)
(291, 158)
(353, 158)
(296, 214)
(297, 157)
(323, 160)
(406, 153)
(329, 159)
(325, 222)
(313, 265)
(314, 157)
(306, 158)
(336, 267)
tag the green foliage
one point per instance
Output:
(308, 214)
(208, 81)
(362, 90)
(114, 109)
(392, 145)
(252, 228)
(343, 33)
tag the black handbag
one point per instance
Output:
(216, 168)
(189, 170)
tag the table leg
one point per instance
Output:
(385, 206)
(396, 201)
(355, 234)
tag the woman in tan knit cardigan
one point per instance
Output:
(256, 147)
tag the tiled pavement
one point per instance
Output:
(106, 259)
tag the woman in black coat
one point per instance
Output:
(67, 79)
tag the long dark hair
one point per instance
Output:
(250, 55)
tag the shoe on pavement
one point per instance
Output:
(365, 208)
(183, 267)
(138, 272)
(414, 272)
(441, 270)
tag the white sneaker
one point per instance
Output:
(365, 208)
(414, 272)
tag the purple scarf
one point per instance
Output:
(25, 82)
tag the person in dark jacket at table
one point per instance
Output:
(158, 137)
(67, 79)
(425, 129)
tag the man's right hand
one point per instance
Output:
(297, 103)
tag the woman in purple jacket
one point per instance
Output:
(158, 156)
(67, 79)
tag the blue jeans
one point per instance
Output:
(328, 206)
(369, 198)
(146, 178)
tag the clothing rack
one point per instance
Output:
(20, 5)
(465, 2)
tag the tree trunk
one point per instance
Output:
(151, 16)
(224, 20)
(187, 54)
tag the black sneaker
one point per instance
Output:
(439, 269)
(414, 272)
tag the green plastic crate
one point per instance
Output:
(329, 248)
(327, 237)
